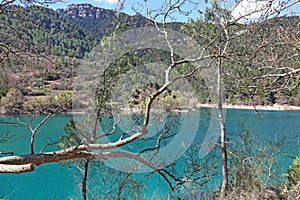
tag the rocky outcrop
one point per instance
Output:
(76, 11)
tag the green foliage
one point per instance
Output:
(4, 84)
(56, 101)
(109, 22)
(291, 188)
(272, 98)
(245, 69)
(71, 137)
(12, 102)
(215, 14)
(42, 31)
(168, 101)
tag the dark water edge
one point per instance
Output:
(53, 181)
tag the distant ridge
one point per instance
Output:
(100, 21)
(85, 10)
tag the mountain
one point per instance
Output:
(47, 45)
(77, 11)
(71, 32)
(42, 31)
(100, 22)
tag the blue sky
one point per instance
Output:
(244, 6)
(102, 4)
(111, 4)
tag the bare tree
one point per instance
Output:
(217, 34)
(239, 33)
(88, 145)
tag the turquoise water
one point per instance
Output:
(47, 181)
(53, 181)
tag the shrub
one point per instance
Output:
(4, 84)
(291, 188)
(252, 168)
(12, 103)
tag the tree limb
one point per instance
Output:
(4, 168)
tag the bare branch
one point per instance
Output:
(16, 168)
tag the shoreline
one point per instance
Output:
(275, 107)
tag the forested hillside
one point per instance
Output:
(42, 31)
(40, 48)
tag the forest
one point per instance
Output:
(66, 40)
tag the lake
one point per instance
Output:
(54, 181)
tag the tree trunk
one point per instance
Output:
(222, 133)
(84, 178)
